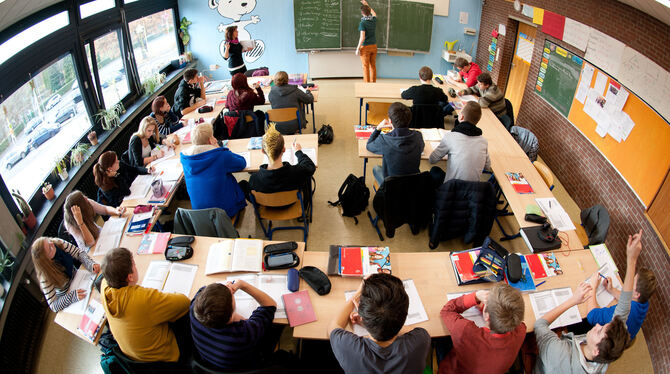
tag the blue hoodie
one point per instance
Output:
(209, 181)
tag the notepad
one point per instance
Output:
(230, 255)
(558, 217)
(544, 301)
(473, 314)
(272, 284)
(603, 297)
(170, 277)
(82, 280)
(247, 158)
(110, 235)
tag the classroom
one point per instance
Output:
(479, 141)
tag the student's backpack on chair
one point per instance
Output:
(353, 196)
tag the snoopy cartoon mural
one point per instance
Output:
(235, 9)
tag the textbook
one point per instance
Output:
(170, 277)
(519, 183)
(153, 243)
(363, 131)
(229, 255)
(462, 263)
(94, 318)
(543, 265)
(473, 314)
(526, 283)
(544, 301)
(140, 223)
(275, 285)
(110, 235)
(299, 310)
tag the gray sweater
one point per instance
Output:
(467, 156)
(564, 354)
(290, 96)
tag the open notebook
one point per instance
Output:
(170, 277)
(272, 284)
(230, 255)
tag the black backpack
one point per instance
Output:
(325, 134)
(353, 196)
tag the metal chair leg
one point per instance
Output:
(374, 222)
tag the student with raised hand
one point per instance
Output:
(54, 264)
(466, 148)
(233, 52)
(400, 149)
(223, 339)
(139, 317)
(426, 93)
(79, 214)
(468, 71)
(243, 97)
(499, 341)
(114, 177)
(190, 94)
(382, 309)
(489, 94)
(167, 121)
(144, 145)
(284, 95)
(208, 173)
(593, 351)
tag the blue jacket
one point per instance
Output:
(209, 181)
(638, 311)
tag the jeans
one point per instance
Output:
(369, 59)
(378, 172)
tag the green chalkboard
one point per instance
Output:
(411, 26)
(317, 24)
(558, 77)
(351, 18)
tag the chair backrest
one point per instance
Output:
(427, 116)
(276, 199)
(283, 114)
(376, 111)
(510, 111)
(213, 222)
(545, 173)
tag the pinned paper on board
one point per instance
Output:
(605, 52)
(527, 10)
(584, 83)
(538, 16)
(525, 49)
(601, 82)
(576, 33)
(616, 97)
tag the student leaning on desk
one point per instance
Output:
(113, 177)
(144, 145)
(79, 214)
(490, 97)
(190, 94)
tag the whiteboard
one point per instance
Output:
(334, 64)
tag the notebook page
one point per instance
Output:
(220, 257)
(473, 314)
(110, 235)
(156, 274)
(83, 280)
(247, 255)
(180, 279)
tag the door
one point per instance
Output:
(518, 74)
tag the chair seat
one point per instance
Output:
(280, 213)
(375, 118)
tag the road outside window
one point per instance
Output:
(154, 42)
(111, 70)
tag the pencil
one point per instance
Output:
(581, 267)
(539, 284)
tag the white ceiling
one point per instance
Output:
(651, 7)
(12, 11)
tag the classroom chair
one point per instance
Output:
(545, 173)
(509, 121)
(213, 222)
(138, 367)
(284, 115)
(239, 124)
(427, 116)
(375, 112)
(501, 212)
(280, 206)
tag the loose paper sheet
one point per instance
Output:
(463, 18)
(555, 213)
(601, 82)
(603, 297)
(473, 314)
(543, 302)
(576, 33)
(527, 10)
(180, 279)
(605, 52)
(584, 83)
(538, 15)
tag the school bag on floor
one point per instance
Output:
(326, 134)
(353, 197)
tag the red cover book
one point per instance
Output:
(351, 262)
(464, 265)
(535, 265)
(299, 308)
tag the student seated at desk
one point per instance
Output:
(113, 177)
(79, 214)
(426, 93)
(466, 148)
(144, 145)
(499, 342)
(54, 261)
(468, 71)
(401, 148)
(242, 97)
(223, 339)
(168, 122)
(190, 94)
(139, 317)
(489, 95)
(382, 308)
(593, 351)
(208, 172)
(284, 95)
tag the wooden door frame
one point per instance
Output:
(514, 46)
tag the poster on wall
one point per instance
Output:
(237, 13)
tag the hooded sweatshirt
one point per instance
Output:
(400, 149)
(209, 179)
(138, 318)
(290, 96)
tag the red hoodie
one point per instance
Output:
(471, 76)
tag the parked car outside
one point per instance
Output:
(41, 135)
(53, 100)
(32, 124)
(64, 114)
(19, 153)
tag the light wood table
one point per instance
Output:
(434, 278)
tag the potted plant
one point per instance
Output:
(48, 191)
(27, 216)
(152, 83)
(60, 168)
(183, 31)
(111, 117)
(6, 261)
(93, 138)
(78, 154)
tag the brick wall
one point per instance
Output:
(588, 177)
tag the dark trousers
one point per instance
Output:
(437, 175)
(182, 332)
(447, 109)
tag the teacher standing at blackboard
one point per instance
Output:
(367, 44)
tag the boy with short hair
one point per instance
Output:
(426, 93)
(382, 308)
(467, 70)
(466, 147)
(644, 286)
(400, 149)
(500, 340)
(593, 351)
(138, 317)
(223, 339)
(190, 94)
(489, 94)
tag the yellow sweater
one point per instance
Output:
(138, 318)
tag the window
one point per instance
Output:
(32, 34)
(111, 68)
(95, 7)
(39, 124)
(154, 42)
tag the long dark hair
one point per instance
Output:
(87, 214)
(157, 104)
(102, 180)
(230, 30)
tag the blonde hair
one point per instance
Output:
(46, 268)
(144, 124)
(281, 78)
(273, 143)
(505, 307)
(201, 134)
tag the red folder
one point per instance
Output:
(299, 308)
(351, 262)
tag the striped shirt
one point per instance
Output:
(59, 298)
(235, 346)
(491, 98)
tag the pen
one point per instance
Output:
(539, 284)
(604, 277)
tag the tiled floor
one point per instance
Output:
(63, 353)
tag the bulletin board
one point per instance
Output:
(643, 158)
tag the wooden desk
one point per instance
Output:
(256, 155)
(434, 278)
(200, 246)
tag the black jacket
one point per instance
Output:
(127, 174)
(184, 97)
(463, 209)
(287, 178)
(424, 94)
(405, 199)
(242, 128)
(135, 158)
